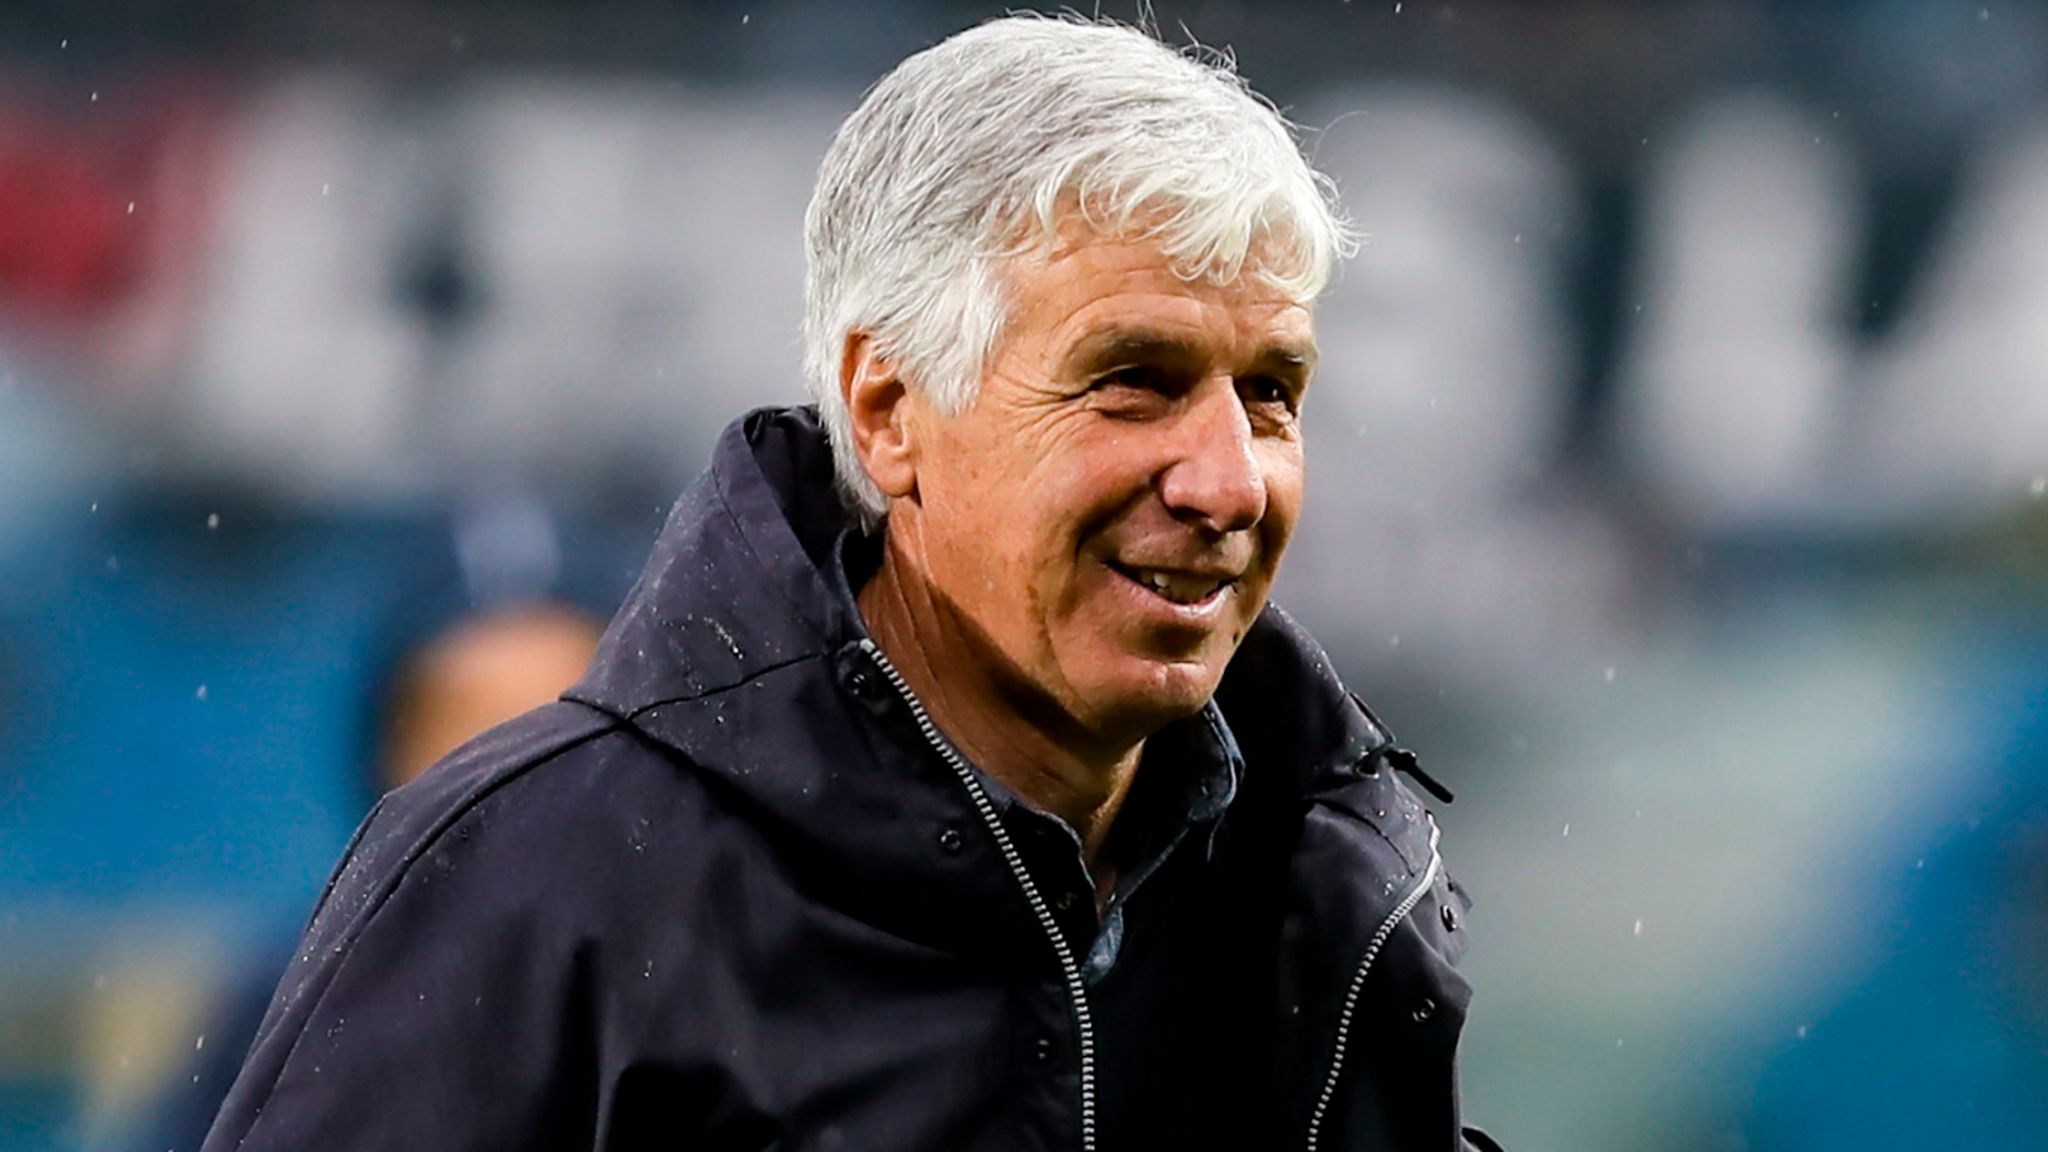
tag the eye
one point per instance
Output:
(1271, 391)
(1134, 392)
(1142, 377)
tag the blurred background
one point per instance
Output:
(1679, 489)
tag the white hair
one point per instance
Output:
(968, 154)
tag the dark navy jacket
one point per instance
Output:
(734, 892)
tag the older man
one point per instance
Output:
(947, 782)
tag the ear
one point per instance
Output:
(879, 402)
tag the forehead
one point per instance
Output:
(1086, 285)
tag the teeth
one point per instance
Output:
(1179, 589)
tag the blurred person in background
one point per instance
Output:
(947, 781)
(483, 670)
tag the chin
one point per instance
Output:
(1155, 694)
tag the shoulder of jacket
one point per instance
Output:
(1370, 795)
(536, 744)
(562, 776)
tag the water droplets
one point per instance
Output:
(2038, 488)
(726, 636)
(199, 694)
(1639, 927)
(213, 521)
(1567, 830)
(1610, 673)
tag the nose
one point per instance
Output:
(1215, 481)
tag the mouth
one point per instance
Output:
(1187, 589)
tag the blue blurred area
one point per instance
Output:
(185, 732)
(1941, 1040)
(188, 706)
(192, 689)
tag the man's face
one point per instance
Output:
(1107, 517)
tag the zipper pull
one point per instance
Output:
(1406, 763)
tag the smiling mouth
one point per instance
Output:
(1184, 588)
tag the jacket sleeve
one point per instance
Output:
(439, 996)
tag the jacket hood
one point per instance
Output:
(735, 631)
(736, 583)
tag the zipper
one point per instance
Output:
(1070, 970)
(1372, 953)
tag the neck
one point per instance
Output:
(1052, 765)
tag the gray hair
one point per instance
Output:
(968, 153)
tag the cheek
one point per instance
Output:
(1082, 490)
(1000, 508)
(1073, 481)
(965, 486)
(1285, 482)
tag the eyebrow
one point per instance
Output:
(1298, 357)
(1150, 345)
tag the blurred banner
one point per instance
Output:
(1678, 487)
